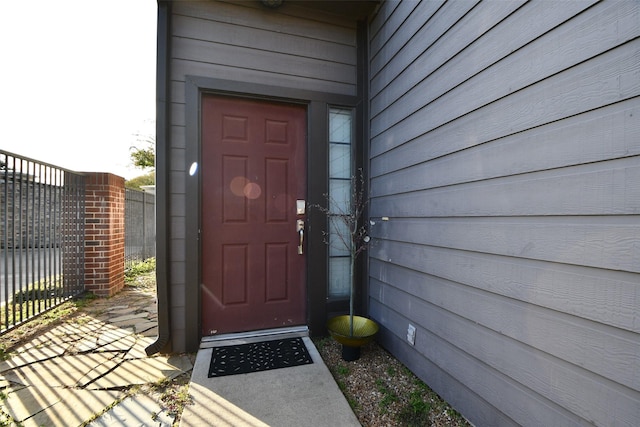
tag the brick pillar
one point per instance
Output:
(104, 233)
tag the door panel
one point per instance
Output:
(253, 170)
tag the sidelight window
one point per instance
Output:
(340, 173)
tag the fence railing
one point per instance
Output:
(41, 237)
(140, 226)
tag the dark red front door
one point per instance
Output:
(253, 171)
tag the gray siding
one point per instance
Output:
(505, 151)
(242, 41)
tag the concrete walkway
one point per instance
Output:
(297, 396)
(89, 364)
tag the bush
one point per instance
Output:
(137, 182)
(138, 268)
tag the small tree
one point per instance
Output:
(144, 157)
(353, 233)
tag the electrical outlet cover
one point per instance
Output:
(411, 334)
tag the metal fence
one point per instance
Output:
(41, 238)
(140, 226)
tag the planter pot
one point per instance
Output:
(349, 353)
(363, 332)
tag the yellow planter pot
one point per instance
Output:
(363, 330)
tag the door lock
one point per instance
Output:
(301, 207)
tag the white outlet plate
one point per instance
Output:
(411, 334)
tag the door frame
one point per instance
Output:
(317, 104)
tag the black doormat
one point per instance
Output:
(259, 356)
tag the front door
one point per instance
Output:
(253, 173)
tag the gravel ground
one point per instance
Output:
(383, 392)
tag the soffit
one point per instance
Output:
(353, 9)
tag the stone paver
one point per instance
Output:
(142, 371)
(144, 326)
(63, 371)
(75, 407)
(35, 354)
(121, 340)
(136, 411)
(119, 310)
(55, 406)
(75, 371)
(137, 351)
(23, 403)
(128, 317)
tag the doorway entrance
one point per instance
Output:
(253, 158)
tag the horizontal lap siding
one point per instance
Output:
(505, 153)
(246, 43)
(242, 41)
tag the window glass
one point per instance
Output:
(340, 196)
(339, 160)
(339, 280)
(340, 172)
(340, 125)
(337, 245)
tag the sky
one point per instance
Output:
(77, 81)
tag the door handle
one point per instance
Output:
(300, 228)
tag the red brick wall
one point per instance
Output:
(104, 233)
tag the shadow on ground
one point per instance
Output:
(91, 369)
